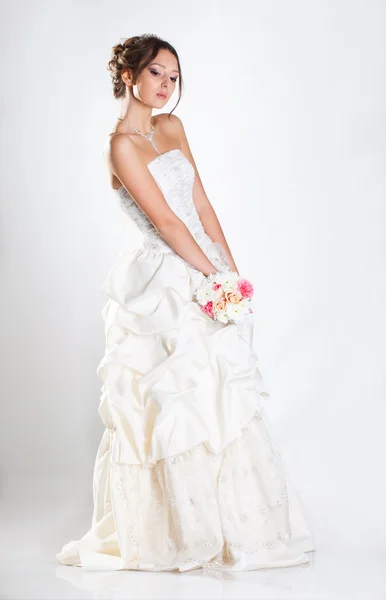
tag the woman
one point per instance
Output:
(186, 474)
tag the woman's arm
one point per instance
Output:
(204, 208)
(133, 173)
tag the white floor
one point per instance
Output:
(36, 518)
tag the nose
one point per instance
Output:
(165, 82)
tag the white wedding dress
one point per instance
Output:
(186, 474)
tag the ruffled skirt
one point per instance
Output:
(187, 474)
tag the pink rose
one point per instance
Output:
(208, 308)
(216, 286)
(245, 288)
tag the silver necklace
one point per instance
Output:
(148, 136)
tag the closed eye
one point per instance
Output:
(153, 72)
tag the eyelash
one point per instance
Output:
(174, 79)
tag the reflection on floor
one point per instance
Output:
(36, 518)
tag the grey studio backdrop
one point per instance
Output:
(284, 108)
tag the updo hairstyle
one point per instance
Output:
(135, 54)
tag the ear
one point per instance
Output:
(127, 77)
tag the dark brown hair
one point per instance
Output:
(135, 54)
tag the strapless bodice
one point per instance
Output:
(174, 174)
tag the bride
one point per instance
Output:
(187, 474)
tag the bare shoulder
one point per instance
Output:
(169, 122)
(121, 140)
(168, 118)
(118, 143)
(117, 139)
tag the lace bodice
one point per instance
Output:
(174, 175)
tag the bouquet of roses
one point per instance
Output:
(225, 296)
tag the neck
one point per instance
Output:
(137, 114)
